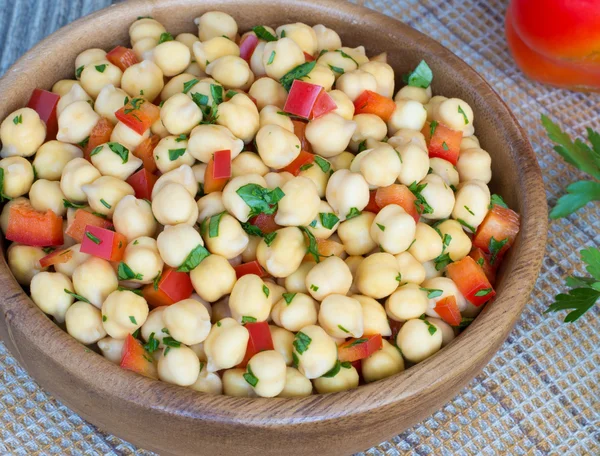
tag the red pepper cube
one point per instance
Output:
(56, 257)
(100, 135)
(444, 143)
(266, 223)
(500, 223)
(222, 165)
(142, 182)
(260, 340)
(447, 309)
(400, 195)
(471, 281)
(30, 227)
(135, 358)
(247, 46)
(45, 103)
(302, 98)
(83, 219)
(370, 102)
(122, 57)
(303, 158)
(249, 268)
(172, 287)
(212, 184)
(102, 243)
(138, 114)
(145, 152)
(355, 349)
(323, 105)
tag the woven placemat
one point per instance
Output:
(539, 395)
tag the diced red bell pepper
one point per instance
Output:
(247, 46)
(483, 260)
(260, 340)
(308, 57)
(172, 287)
(142, 182)
(303, 158)
(45, 103)
(266, 223)
(222, 164)
(448, 311)
(83, 219)
(323, 105)
(302, 98)
(135, 358)
(326, 248)
(138, 114)
(102, 243)
(370, 102)
(122, 57)
(251, 267)
(372, 206)
(355, 349)
(444, 143)
(500, 223)
(30, 227)
(145, 152)
(471, 281)
(56, 257)
(100, 135)
(210, 183)
(400, 195)
(300, 132)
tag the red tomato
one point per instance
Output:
(355, 349)
(138, 114)
(499, 223)
(145, 152)
(210, 183)
(222, 165)
(471, 281)
(56, 257)
(260, 340)
(249, 268)
(483, 260)
(301, 99)
(135, 358)
(308, 57)
(44, 103)
(83, 219)
(172, 287)
(30, 227)
(323, 104)
(102, 243)
(142, 182)
(372, 206)
(448, 311)
(300, 132)
(370, 102)
(444, 143)
(122, 57)
(100, 135)
(304, 158)
(247, 46)
(326, 248)
(400, 195)
(266, 223)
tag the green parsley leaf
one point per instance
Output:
(120, 150)
(78, 71)
(343, 329)
(495, 247)
(381, 227)
(105, 204)
(263, 34)
(124, 272)
(288, 297)
(347, 56)
(466, 225)
(132, 319)
(465, 321)
(421, 203)
(260, 200)
(104, 318)
(247, 319)
(231, 93)
(84, 143)
(170, 342)
(445, 146)
(337, 70)
(174, 154)
(252, 230)
(313, 247)
(469, 210)
(271, 58)
(421, 76)
(432, 293)
(354, 212)
(301, 342)
(164, 37)
(480, 261)
(101, 68)
(136, 291)
(250, 378)
(442, 261)
(577, 300)
(496, 200)
(270, 237)
(362, 146)
(200, 99)
(156, 281)
(213, 225)
(181, 138)
(67, 204)
(48, 250)
(296, 73)
(194, 258)
(305, 167)
(152, 345)
(93, 238)
(578, 195)
(328, 219)
(357, 342)
(96, 151)
(432, 126)
(266, 290)
(77, 297)
(313, 287)
(216, 92)
(430, 327)
(323, 164)
(483, 292)
(399, 277)
(18, 119)
(333, 371)
(188, 85)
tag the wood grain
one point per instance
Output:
(177, 421)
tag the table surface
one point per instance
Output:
(539, 395)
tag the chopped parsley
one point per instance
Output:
(101, 68)
(483, 292)
(263, 34)
(105, 204)
(213, 225)
(266, 290)
(464, 114)
(174, 154)
(93, 238)
(67, 204)
(164, 37)
(328, 219)
(18, 119)
(432, 293)
(296, 73)
(124, 272)
(250, 378)
(188, 85)
(337, 70)
(432, 127)
(421, 203)
(421, 76)
(343, 329)
(354, 212)
(495, 247)
(301, 342)
(194, 258)
(132, 319)
(288, 297)
(381, 227)
(270, 237)
(466, 225)
(323, 164)
(260, 200)
(313, 287)
(248, 319)
(496, 200)
(77, 297)
(333, 371)
(271, 58)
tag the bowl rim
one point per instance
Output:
(61, 349)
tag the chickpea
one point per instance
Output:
(205, 140)
(76, 93)
(21, 133)
(172, 57)
(357, 53)
(176, 242)
(277, 146)
(302, 34)
(427, 244)
(248, 163)
(431, 270)
(355, 234)
(330, 276)
(295, 282)
(408, 114)
(143, 257)
(89, 56)
(454, 113)
(249, 254)
(110, 100)
(77, 258)
(285, 253)
(472, 201)
(256, 60)
(76, 174)
(474, 164)
(187, 321)
(240, 115)
(230, 239)
(411, 270)
(24, 262)
(177, 85)
(144, 48)
(225, 345)
(144, 79)
(407, 302)
(433, 105)
(6, 211)
(145, 28)
(45, 195)
(127, 137)
(133, 218)
(375, 319)
(367, 126)
(345, 379)
(76, 122)
(123, 312)
(279, 179)
(469, 142)
(154, 325)
(112, 349)
(319, 174)
(179, 366)
(188, 39)
(275, 292)
(171, 153)
(18, 176)
(447, 330)
(315, 350)
(393, 229)
(108, 159)
(282, 342)
(404, 136)
(415, 164)
(52, 157)
(95, 76)
(266, 373)
(209, 205)
(381, 166)
(63, 86)
(377, 275)
(300, 311)
(84, 323)
(383, 363)
(205, 86)
(216, 23)
(250, 299)
(418, 340)
(459, 245)
(234, 384)
(353, 262)
(345, 106)
(180, 114)
(341, 316)
(267, 91)
(335, 59)
(272, 115)
(213, 49)
(173, 204)
(281, 56)
(207, 382)
(347, 191)
(445, 170)
(296, 384)
(233, 202)
(439, 197)
(448, 288)
(321, 75)
(327, 38)
(341, 161)
(183, 175)
(105, 193)
(384, 76)
(48, 293)
(355, 82)
(231, 71)
(414, 93)
(300, 205)
(325, 213)
(95, 279)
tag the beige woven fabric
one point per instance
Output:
(539, 395)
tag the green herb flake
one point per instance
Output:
(78, 297)
(269, 238)
(132, 319)
(333, 371)
(105, 204)
(432, 127)
(271, 58)
(216, 92)
(399, 277)
(213, 225)
(250, 378)
(132, 290)
(301, 342)
(84, 142)
(312, 247)
(421, 76)
(469, 210)
(432, 293)
(357, 342)
(231, 93)
(480, 261)
(69, 204)
(305, 167)
(421, 203)
(337, 70)
(430, 327)
(442, 261)
(18, 119)
(48, 250)
(288, 297)
(266, 290)
(188, 85)
(120, 150)
(101, 68)
(156, 281)
(347, 56)
(343, 329)
(260, 200)
(328, 219)
(464, 114)
(495, 247)
(445, 146)
(483, 292)
(496, 200)
(96, 151)
(93, 238)
(313, 287)
(362, 146)
(164, 37)
(104, 318)
(466, 225)
(170, 342)
(200, 99)
(124, 272)
(296, 73)
(174, 154)
(248, 319)
(78, 72)
(323, 164)
(354, 212)
(152, 345)
(194, 258)
(263, 34)
(381, 227)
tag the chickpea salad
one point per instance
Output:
(256, 214)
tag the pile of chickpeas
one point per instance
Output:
(379, 277)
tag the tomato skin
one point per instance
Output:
(222, 165)
(490, 270)
(370, 102)
(56, 257)
(45, 103)
(323, 104)
(252, 267)
(372, 206)
(122, 57)
(470, 280)
(173, 286)
(99, 135)
(302, 98)
(260, 340)
(247, 46)
(135, 358)
(304, 158)
(445, 142)
(111, 246)
(211, 184)
(400, 195)
(448, 311)
(145, 152)
(82, 219)
(349, 352)
(500, 223)
(266, 223)
(138, 115)
(30, 227)
(142, 182)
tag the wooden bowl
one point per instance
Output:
(177, 421)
